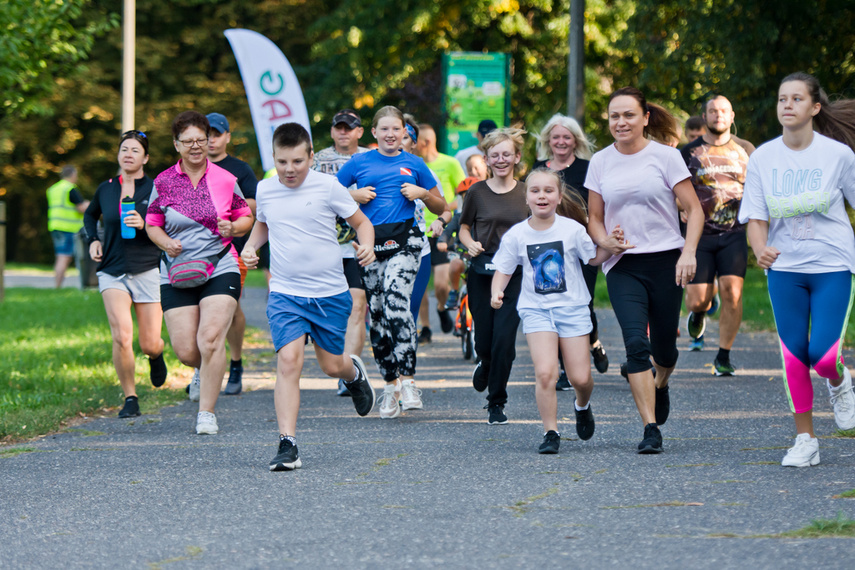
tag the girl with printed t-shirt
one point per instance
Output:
(633, 184)
(553, 302)
(396, 179)
(793, 202)
(490, 209)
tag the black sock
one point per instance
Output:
(236, 363)
(723, 355)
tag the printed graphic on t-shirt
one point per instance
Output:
(718, 175)
(547, 262)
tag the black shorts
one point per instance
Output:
(225, 284)
(353, 273)
(436, 257)
(721, 254)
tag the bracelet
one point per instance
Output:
(442, 221)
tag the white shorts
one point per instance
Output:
(142, 287)
(568, 322)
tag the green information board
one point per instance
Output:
(477, 87)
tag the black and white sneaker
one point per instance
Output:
(157, 370)
(235, 384)
(131, 408)
(360, 389)
(496, 415)
(446, 323)
(287, 458)
(479, 377)
(663, 405)
(563, 384)
(584, 423)
(652, 442)
(601, 359)
(551, 442)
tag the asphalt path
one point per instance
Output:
(439, 487)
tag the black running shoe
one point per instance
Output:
(601, 359)
(131, 408)
(479, 377)
(342, 389)
(623, 371)
(652, 442)
(585, 423)
(234, 385)
(563, 383)
(360, 389)
(663, 405)
(287, 458)
(157, 372)
(550, 444)
(446, 323)
(496, 415)
(424, 336)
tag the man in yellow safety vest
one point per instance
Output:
(65, 218)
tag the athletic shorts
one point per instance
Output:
(568, 321)
(142, 287)
(353, 273)
(225, 284)
(436, 257)
(324, 318)
(721, 254)
(63, 243)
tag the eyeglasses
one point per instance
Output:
(192, 143)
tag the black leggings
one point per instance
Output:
(643, 290)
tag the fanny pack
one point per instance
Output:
(192, 272)
(389, 239)
(483, 264)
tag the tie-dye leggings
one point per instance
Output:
(811, 313)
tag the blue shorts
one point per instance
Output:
(324, 318)
(568, 321)
(63, 243)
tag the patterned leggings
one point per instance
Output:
(388, 287)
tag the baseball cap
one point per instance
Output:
(218, 122)
(487, 126)
(347, 118)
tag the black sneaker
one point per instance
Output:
(601, 359)
(446, 323)
(424, 336)
(287, 458)
(563, 383)
(723, 367)
(496, 415)
(131, 408)
(585, 423)
(663, 405)
(234, 385)
(479, 377)
(652, 442)
(342, 389)
(360, 389)
(550, 444)
(157, 372)
(624, 372)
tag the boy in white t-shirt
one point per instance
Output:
(296, 211)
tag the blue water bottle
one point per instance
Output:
(127, 206)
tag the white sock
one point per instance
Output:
(578, 409)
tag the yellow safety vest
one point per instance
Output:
(62, 214)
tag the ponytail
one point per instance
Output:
(836, 119)
(661, 125)
(571, 204)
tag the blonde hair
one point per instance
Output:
(387, 111)
(571, 205)
(584, 147)
(498, 136)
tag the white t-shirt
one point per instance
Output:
(305, 257)
(552, 276)
(638, 193)
(801, 194)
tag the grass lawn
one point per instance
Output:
(56, 363)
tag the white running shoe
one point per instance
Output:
(411, 397)
(804, 453)
(206, 423)
(843, 402)
(390, 401)
(195, 386)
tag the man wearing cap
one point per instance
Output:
(217, 142)
(346, 131)
(484, 127)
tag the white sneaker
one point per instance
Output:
(206, 423)
(843, 401)
(411, 397)
(804, 453)
(195, 386)
(390, 404)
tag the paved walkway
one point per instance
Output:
(438, 487)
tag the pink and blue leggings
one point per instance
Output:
(811, 313)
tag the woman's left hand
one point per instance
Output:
(225, 227)
(413, 192)
(133, 220)
(686, 267)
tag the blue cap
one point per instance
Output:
(218, 122)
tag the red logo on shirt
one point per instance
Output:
(406, 171)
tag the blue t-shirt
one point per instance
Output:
(386, 174)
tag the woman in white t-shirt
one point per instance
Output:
(633, 184)
(798, 228)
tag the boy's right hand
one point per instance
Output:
(364, 254)
(496, 302)
(476, 249)
(363, 195)
(250, 257)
